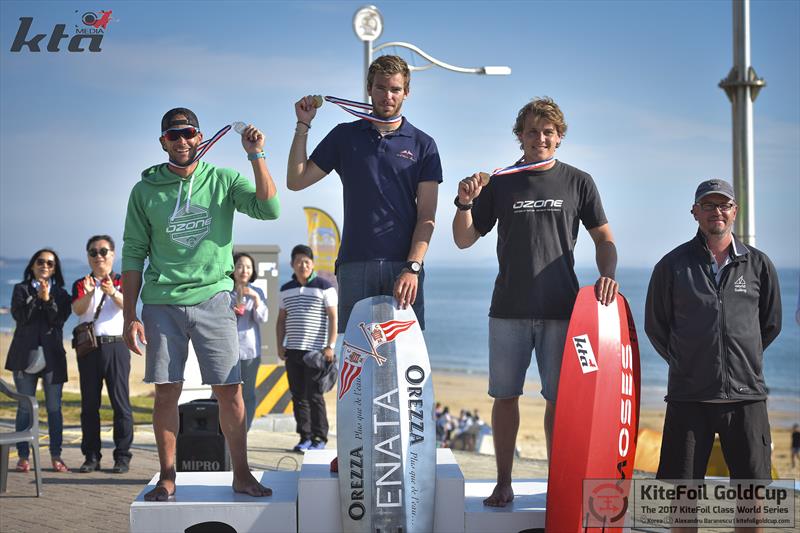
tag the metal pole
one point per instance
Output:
(743, 126)
(367, 63)
(742, 86)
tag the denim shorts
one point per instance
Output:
(511, 341)
(210, 325)
(362, 279)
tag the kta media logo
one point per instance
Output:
(97, 21)
(92, 28)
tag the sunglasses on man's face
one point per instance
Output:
(187, 132)
(49, 263)
(94, 252)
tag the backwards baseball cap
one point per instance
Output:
(302, 249)
(170, 121)
(715, 186)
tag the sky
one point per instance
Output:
(637, 82)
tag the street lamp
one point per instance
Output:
(742, 87)
(368, 25)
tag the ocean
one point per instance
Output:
(456, 307)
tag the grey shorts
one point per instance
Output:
(511, 341)
(210, 325)
(362, 279)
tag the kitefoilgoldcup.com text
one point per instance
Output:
(686, 502)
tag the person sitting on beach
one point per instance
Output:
(110, 361)
(795, 443)
(537, 205)
(180, 218)
(40, 306)
(390, 174)
(713, 306)
(465, 435)
(306, 323)
(250, 306)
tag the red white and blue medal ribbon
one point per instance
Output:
(522, 167)
(204, 147)
(366, 114)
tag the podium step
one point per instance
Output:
(318, 494)
(203, 497)
(525, 512)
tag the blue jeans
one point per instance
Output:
(362, 279)
(249, 374)
(26, 384)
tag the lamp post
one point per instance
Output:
(368, 25)
(742, 87)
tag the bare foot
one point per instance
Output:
(165, 488)
(501, 496)
(249, 485)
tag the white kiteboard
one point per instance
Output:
(385, 433)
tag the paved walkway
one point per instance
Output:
(100, 501)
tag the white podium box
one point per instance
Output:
(318, 494)
(207, 497)
(525, 512)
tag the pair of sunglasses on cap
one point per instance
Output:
(187, 132)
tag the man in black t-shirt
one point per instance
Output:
(537, 205)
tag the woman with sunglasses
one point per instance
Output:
(100, 293)
(40, 306)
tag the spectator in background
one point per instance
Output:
(307, 322)
(797, 311)
(40, 306)
(250, 306)
(444, 426)
(100, 292)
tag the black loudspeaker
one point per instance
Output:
(201, 444)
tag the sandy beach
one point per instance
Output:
(469, 391)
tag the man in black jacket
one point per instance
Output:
(713, 306)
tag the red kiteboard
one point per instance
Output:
(597, 418)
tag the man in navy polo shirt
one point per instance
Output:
(390, 174)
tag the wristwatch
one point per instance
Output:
(413, 266)
(331, 346)
(460, 206)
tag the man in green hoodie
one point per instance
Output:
(180, 218)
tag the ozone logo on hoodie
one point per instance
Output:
(189, 225)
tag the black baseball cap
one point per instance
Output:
(302, 249)
(714, 186)
(169, 120)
